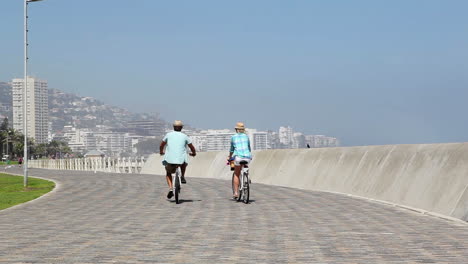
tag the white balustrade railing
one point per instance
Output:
(106, 164)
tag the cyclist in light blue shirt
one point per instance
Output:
(240, 151)
(174, 148)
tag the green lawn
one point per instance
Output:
(11, 163)
(13, 192)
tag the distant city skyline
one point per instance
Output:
(125, 142)
(74, 120)
(367, 72)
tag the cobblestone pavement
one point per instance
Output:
(123, 218)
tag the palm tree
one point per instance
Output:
(57, 148)
(4, 137)
(39, 150)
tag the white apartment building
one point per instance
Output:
(218, 141)
(134, 140)
(273, 139)
(298, 141)
(79, 140)
(258, 139)
(211, 139)
(113, 143)
(321, 141)
(37, 108)
(286, 136)
(198, 141)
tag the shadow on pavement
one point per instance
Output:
(185, 201)
(250, 201)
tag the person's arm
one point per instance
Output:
(161, 147)
(192, 148)
(231, 150)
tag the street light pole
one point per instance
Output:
(25, 92)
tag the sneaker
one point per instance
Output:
(170, 194)
(182, 180)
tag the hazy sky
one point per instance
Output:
(367, 72)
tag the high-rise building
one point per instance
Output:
(259, 140)
(298, 140)
(286, 136)
(273, 139)
(37, 108)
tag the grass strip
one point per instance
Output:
(9, 163)
(12, 191)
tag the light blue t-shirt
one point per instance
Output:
(176, 148)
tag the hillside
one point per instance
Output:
(87, 112)
(81, 112)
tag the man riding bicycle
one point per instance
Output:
(240, 151)
(175, 154)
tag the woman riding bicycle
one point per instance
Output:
(241, 152)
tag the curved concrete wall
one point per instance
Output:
(431, 177)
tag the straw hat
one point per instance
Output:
(240, 126)
(178, 123)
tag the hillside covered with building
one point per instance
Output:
(87, 124)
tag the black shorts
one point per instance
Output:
(171, 168)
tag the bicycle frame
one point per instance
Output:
(174, 178)
(176, 181)
(243, 172)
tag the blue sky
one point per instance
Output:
(368, 72)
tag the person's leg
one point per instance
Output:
(237, 170)
(169, 180)
(182, 168)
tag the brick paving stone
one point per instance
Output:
(125, 218)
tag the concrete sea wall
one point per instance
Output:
(431, 177)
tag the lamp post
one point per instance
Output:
(25, 92)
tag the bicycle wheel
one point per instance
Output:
(177, 186)
(234, 191)
(246, 189)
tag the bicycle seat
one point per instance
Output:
(243, 162)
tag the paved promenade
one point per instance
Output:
(123, 218)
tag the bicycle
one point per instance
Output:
(176, 182)
(177, 176)
(244, 183)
